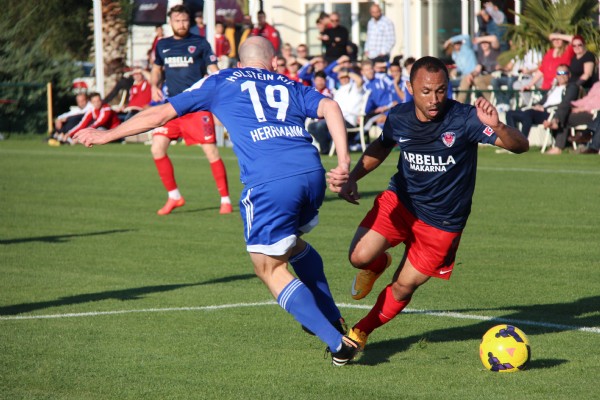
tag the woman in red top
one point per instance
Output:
(561, 52)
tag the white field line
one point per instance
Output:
(326, 161)
(443, 314)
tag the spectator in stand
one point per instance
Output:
(323, 22)
(140, 96)
(563, 93)
(267, 31)
(199, 28)
(320, 84)
(334, 39)
(583, 64)
(318, 63)
(381, 87)
(491, 20)
(245, 30)
(67, 121)
(400, 93)
(302, 54)
(487, 62)
(561, 52)
(349, 97)
(288, 53)
(100, 116)
(515, 75)
(159, 34)
(381, 36)
(281, 66)
(222, 46)
(463, 55)
(231, 33)
(333, 68)
(593, 146)
(579, 112)
(293, 69)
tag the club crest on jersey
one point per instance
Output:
(488, 131)
(213, 58)
(448, 138)
(191, 49)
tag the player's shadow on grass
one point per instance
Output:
(60, 238)
(535, 320)
(123, 294)
(369, 194)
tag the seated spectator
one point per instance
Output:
(67, 121)
(101, 116)
(292, 72)
(581, 113)
(349, 97)
(515, 75)
(561, 94)
(594, 146)
(320, 84)
(400, 93)
(380, 98)
(487, 62)
(318, 63)
(332, 69)
(222, 46)
(464, 57)
(140, 96)
(302, 55)
(287, 53)
(561, 52)
(281, 66)
(583, 64)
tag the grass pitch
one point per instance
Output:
(100, 298)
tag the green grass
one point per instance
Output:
(80, 241)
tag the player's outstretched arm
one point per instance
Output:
(148, 119)
(509, 138)
(330, 110)
(373, 156)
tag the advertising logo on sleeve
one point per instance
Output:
(488, 131)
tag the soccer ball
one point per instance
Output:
(505, 348)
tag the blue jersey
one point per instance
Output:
(438, 162)
(264, 114)
(185, 61)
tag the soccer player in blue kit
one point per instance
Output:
(284, 180)
(428, 200)
(185, 59)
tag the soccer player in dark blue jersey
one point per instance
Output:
(428, 200)
(185, 59)
(284, 180)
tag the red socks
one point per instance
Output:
(166, 173)
(386, 308)
(220, 176)
(378, 265)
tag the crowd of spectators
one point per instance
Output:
(341, 67)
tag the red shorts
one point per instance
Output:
(194, 128)
(430, 250)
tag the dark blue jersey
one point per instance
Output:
(264, 114)
(438, 162)
(185, 61)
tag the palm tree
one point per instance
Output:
(542, 17)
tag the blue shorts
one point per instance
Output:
(276, 213)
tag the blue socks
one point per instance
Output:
(298, 300)
(308, 266)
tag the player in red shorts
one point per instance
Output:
(185, 59)
(428, 200)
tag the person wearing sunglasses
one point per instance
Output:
(560, 95)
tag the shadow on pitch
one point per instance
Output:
(60, 238)
(553, 318)
(124, 294)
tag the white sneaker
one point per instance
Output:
(502, 108)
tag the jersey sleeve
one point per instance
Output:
(197, 98)
(387, 136)
(158, 59)
(477, 131)
(208, 57)
(312, 98)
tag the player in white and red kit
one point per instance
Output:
(99, 116)
(185, 59)
(428, 200)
